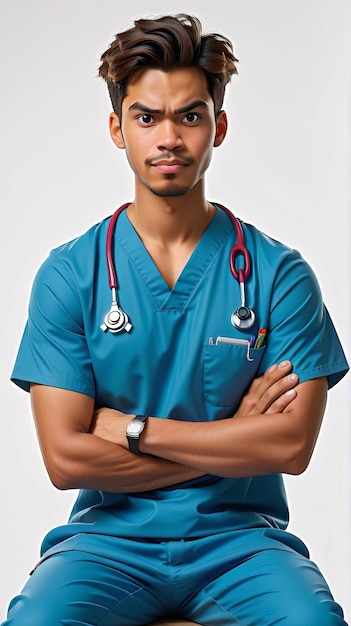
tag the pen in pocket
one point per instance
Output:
(260, 339)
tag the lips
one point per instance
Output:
(169, 166)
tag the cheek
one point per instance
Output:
(204, 151)
(133, 153)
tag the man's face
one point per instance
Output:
(168, 129)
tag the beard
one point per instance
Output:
(170, 188)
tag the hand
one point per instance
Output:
(110, 424)
(270, 393)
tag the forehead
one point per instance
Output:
(158, 89)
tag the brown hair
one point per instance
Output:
(167, 43)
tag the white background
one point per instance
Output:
(284, 166)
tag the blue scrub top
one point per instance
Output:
(167, 365)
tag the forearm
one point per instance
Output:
(93, 463)
(249, 446)
(245, 445)
(77, 458)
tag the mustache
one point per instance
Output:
(168, 156)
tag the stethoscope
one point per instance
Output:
(242, 318)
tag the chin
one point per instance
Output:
(171, 191)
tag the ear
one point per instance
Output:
(221, 128)
(116, 131)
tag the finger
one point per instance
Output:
(262, 384)
(275, 391)
(275, 373)
(281, 403)
(266, 389)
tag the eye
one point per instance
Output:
(145, 119)
(191, 118)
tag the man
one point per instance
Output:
(167, 415)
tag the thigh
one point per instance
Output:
(271, 587)
(74, 588)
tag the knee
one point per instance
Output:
(23, 612)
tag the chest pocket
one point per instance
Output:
(228, 373)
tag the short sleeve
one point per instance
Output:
(53, 350)
(300, 328)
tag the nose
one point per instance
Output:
(169, 136)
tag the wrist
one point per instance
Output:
(134, 432)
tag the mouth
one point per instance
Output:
(170, 167)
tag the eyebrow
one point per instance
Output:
(139, 106)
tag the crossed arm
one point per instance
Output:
(274, 430)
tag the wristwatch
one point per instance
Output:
(133, 432)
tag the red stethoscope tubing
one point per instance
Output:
(112, 278)
(239, 249)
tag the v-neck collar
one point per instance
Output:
(209, 245)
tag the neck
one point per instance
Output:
(170, 221)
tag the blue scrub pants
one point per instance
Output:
(257, 577)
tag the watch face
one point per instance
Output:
(135, 428)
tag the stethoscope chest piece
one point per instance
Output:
(116, 320)
(243, 317)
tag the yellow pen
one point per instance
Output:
(260, 338)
